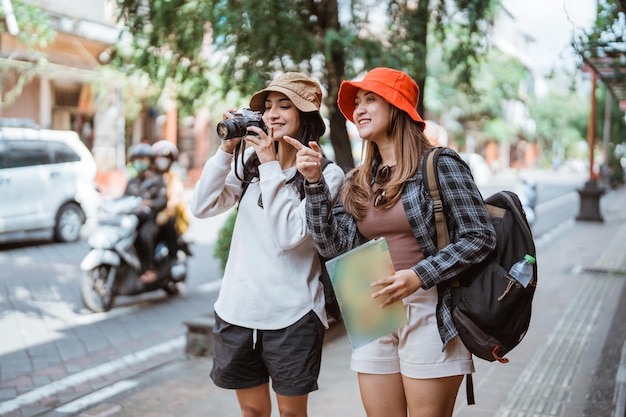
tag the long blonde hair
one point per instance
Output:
(410, 144)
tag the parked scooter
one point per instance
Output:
(113, 268)
(527, 193)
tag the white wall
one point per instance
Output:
(101, 11)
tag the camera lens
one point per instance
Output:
(222, 130)
(237, 127)
(231, 128)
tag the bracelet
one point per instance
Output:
(314, 184)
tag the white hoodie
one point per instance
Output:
(271, 279)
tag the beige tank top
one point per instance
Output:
(394, 226)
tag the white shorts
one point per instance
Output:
(415, 350)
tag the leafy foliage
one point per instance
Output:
(259, 38)
(224, 237)
(35, 29)
(252, 40)
(168, 42)
(559, 118)
(36, 33)
(499, 81)
(460, 24)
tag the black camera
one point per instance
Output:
(238, 126)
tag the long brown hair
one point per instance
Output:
(410, 144)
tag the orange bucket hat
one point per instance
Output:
(396, 87)
(304, 92)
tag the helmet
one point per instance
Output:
(165, 148)
(141, 150)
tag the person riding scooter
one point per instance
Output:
(150, 186)
(173, 219)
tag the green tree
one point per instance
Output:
(224, 237)
(561, 119)
(460, 26)
(329, 39)
(36, 33)
(499, 80)
(168, 42)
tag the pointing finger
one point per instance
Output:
(293, 142)
(315, 146)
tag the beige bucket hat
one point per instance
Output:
(304, 92)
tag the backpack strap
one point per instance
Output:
(469, 389)
(431, 179)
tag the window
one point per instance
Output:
(62, 153)
(3, 155)
(27, 153)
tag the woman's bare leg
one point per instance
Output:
(383, 395)
(292, 406)
(255, 402)
(431, 397)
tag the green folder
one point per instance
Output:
(351, 275)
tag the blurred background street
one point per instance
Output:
(531, 93)
(61, 358)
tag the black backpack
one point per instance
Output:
(490, 309)
(332, 305)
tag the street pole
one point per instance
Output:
(591, 128)
(120, 123)
(590, 194)
(606, 136)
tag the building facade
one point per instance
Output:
(54, 84)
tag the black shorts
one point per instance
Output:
(291, 357)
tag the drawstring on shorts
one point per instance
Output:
(254, 338)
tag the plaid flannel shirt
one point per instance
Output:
(471, 231)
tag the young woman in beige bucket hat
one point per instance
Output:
(270, 311)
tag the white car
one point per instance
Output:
(47, 184)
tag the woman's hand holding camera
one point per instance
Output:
(229, 146)
(308, 160)
(262, 143)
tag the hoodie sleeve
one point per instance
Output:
(218, 188)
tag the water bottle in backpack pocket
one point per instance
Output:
(522, 271)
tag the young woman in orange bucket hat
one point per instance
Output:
(416, 370)
(270, 312)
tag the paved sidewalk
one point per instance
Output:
(552, 372)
